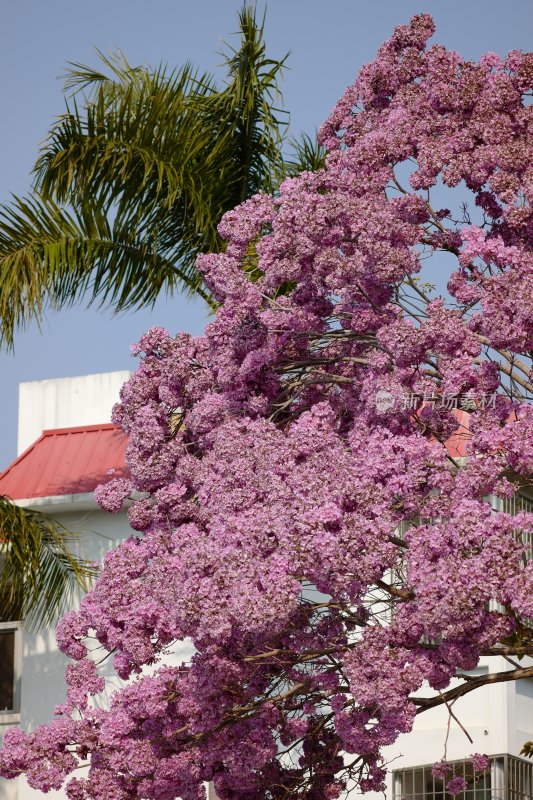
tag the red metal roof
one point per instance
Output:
(75, 460)
(66, 461)
(456, 444)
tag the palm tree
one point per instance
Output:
(129, 187)
(133, 179)
(39, 574)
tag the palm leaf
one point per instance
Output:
(250, 106)
(79, 77)
(307, 156)
(39, 574)
(132, 139)
(134, 178)
(49, 258)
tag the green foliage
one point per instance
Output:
(39, 575)
(527, 750)
(307, 155)
(129, 188)
(134, 177)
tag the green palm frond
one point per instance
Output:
(33, 252)
(39, 575)
(307, 155)
(134, 178)
(251, 104)
(142, 141)
(79, 77)
(49, 258)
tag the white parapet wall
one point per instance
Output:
(65, 403)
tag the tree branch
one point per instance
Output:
(426, 703)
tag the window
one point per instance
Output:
(7, 670)
(10, 662)
(513, 505)
(508, 778)
(519, 502)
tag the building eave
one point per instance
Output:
(60, 503)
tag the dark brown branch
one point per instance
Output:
(425, 703)
(500, 650)
(403, 594)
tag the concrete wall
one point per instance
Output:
(66, 403)
(520, 711)
(498, 718)
(43, 666)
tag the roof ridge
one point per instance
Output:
(99, 426)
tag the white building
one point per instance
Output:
(499, 720)
(66, 446)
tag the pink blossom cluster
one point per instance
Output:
(326, 554)
(457, 784)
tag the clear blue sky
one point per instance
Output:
(329, 41)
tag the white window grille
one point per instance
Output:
(513, 505)
(508, 778)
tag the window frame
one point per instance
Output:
(511, 778)
(13, 715)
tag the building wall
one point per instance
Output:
(65, 403)
(43, 666)
(499, 718)
(520, 713)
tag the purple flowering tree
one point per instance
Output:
(304, 518)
